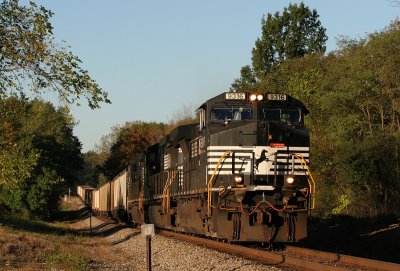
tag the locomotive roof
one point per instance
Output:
(180, 132)
(222, 99)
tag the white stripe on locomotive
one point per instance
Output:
(262, 165)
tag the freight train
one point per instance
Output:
(240, 174)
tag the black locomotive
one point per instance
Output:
(240, 174)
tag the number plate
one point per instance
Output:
(235, 96)
(277, 97)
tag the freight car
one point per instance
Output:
(85, 192)
(240, 174)
(110, 199)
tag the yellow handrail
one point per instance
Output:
(166, 196)
(310, 179)
(209, 186)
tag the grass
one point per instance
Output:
(28, 245)
(33, 245)
(38, 245)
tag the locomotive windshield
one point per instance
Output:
(232, 113)
(289, 116)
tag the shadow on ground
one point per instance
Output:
(71, 216)
(374, 238)
(72, 222)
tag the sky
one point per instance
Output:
(156, 58)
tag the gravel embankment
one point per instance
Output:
(174, 255)
(167, 254)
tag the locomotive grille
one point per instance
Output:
(244, 156)
(285, 162)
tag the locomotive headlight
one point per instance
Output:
(290, 181)
(258, 97)
(238, 180)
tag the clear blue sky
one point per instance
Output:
(154, 57)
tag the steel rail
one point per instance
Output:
(282, 259)
(344, 259)
(262, 256)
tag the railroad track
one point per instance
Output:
(292, 257)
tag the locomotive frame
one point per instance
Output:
(240, 174)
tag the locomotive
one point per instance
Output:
(240, 174)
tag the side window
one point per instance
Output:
(202, 118)
(202, 145)
(180, 156)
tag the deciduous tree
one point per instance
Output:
(39, 155)
(293, 34)
(31, 62)
(133, 137)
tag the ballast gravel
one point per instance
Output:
(169, 254)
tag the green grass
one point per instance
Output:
(37, 245)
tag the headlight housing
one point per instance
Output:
(290, 181)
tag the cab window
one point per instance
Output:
(232, 113)
(289, 116)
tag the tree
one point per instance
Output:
(91, 172)
(133, 137)
(359, 94)
(183, 116)
(39, 155)
(32, 62)
(293, 34)
(246, 82)
(353, 97)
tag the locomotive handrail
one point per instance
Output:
(310, 179)
(166, 196)
(209, 186)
